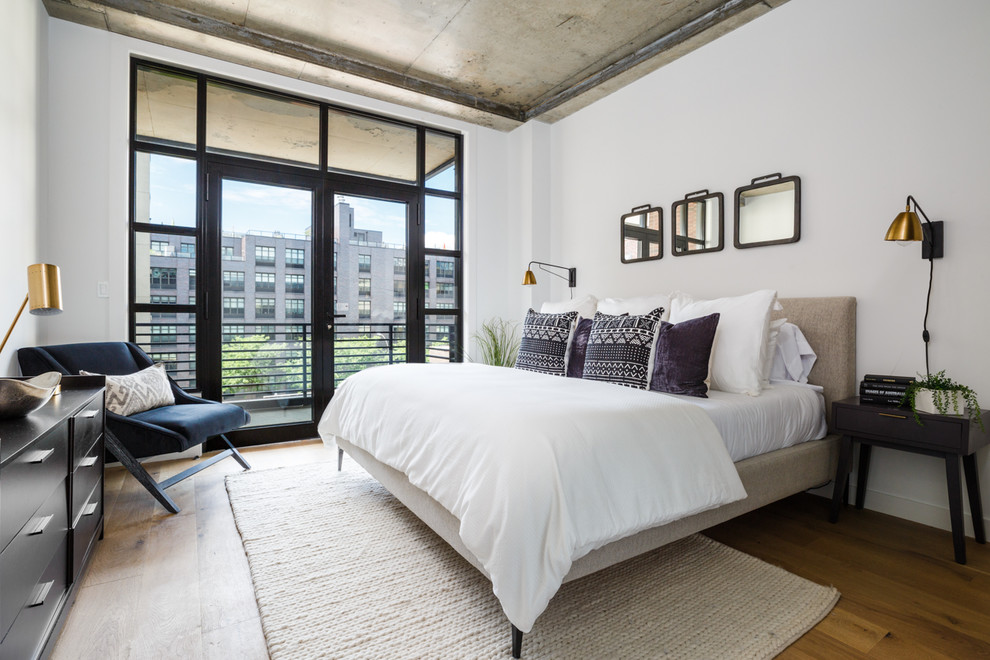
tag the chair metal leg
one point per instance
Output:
(237, 455)
(127, 459)
(517, 636)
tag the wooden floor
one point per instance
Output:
(164, 586)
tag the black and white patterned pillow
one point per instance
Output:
(133, 393)
(619, 348)
(544, 342)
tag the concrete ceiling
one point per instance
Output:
(496, 63)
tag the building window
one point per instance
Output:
(170, 360)
(159, 249)
(364, 286)
(267, 331)
(400, 265)
(295, 258)
(295, 283)
(162, 300)
(233, 280)
(233, 308)
(445, 289)
(445, 269)
(187, 250)
(295, 309)
(264, 255)
(399, 309)
(264, 308)
(426, 267)
(163, 278)
(226, 251)
(192, 278)
(163, 334)
(264, 281)
(399, 288)
(364, 309)
(295, 333)
(232, 332)
(364, 263)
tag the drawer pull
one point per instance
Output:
(39, 456)
(39, 525)
(89, 461)
(894, 416)
(40, 594)
(89, 414)
(90, 509)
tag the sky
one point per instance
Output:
(267, 208)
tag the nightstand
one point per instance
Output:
(947, 437)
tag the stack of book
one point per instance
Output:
(883, 390)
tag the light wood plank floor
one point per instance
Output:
(164, 586)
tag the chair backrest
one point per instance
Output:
(110, 357)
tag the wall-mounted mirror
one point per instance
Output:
(768, 211)
(696, 223)
(642, 234)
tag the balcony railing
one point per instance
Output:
(273, 361)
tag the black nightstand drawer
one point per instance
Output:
(938, 432)
(27, 635)
(86, 527)
(28, 554)
(87, 475)
(30, 479)
(87, 425)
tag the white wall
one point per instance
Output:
(88, 125)
(867, 101)
(23, 50)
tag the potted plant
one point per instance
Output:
(498, 342)
(939, 394)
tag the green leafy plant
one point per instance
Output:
(941, 386)
(498, 342)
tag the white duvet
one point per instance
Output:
(539, 470)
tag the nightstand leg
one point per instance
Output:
(865, 451)
(841, 476)
(975, 504)
(954, 482)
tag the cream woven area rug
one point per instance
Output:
(341, 569)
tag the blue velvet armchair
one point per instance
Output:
(190, 422)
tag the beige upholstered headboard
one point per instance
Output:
(829, 324)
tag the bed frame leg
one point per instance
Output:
(516, 642)
(340, 459)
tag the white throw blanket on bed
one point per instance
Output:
(539, 470)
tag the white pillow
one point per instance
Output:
(585, 307)
(137, 392)
(771, 353)
(794, 357)
(739, 353)
(636, 306)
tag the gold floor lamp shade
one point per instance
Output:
(44, 294)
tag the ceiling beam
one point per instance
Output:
(673, 38)
(305, 53)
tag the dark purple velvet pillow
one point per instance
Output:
(579, 346)
(680, 365)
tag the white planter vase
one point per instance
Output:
(924, 401)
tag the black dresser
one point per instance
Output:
(51, 513)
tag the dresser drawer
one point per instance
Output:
(28, 634)
(89, 472)
(27, 555)
(87, 425)
(85, 530)
(938, 433)
(28, 480)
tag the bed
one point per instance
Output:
(828, 324)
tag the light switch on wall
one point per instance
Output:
(103, 289)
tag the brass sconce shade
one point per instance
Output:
(44, 294)
(529, 278)
(905, 227)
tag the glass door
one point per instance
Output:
(263, 295)
(375, 307)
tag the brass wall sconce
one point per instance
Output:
(44, 295)
(529, 278)
(907, 227)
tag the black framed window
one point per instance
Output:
(233, 308)
(364, 286)
(364, 263)
(233, 280)
(295, 309)
(264, 308)
(264, 255)
(295, 283)
(295, 258)
(163, 278)
(264, 281)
